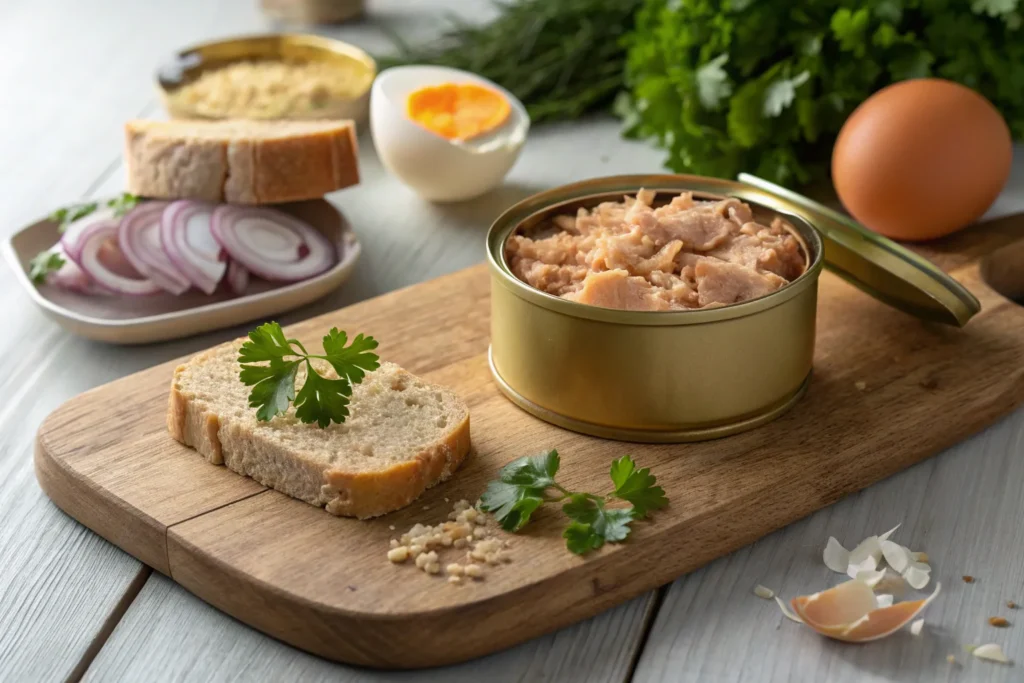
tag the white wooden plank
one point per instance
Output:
(170, 635)
(964, 508)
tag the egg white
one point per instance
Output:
(436, 168)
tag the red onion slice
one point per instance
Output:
(187, 240)
(237, 277)
(70, 239)
(92, 242)
(272, 244)
(69, 276)
(139, 239)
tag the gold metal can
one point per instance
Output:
(651, 376)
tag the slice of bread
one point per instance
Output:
(240, 162)
(403, 435)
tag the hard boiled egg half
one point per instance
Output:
(448, 134)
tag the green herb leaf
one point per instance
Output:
(123, 203)
(593, 524)
(637, 487)
(511, 505)
(321, 399)
(69, 214)
(537, 471)
(350, 362)
(273, 386)
(527, 483)
(42, 264)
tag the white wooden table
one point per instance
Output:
(73, 606)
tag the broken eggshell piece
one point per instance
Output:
(850, 612)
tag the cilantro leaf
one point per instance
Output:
(321, 399)
(350, 362)
(593, 524)
(511, 505)
(537, 471)
(69, 214)
(637, 486)
(266, 342)
(42, 264)
(273, 386)
(123, 203)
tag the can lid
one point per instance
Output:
(887, 271)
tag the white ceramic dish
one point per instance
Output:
(139, 320)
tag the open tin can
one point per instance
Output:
(686, 375)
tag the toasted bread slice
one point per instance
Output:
(240, 162)
(403, 435)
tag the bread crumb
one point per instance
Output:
(391, 527)
(1011, 604)
(399, 554)
(454, 579)
(921, 557)
(426, 507)
(951, 659)
(861, 386)
(455, 569)
(968, 579)
(433, 568)
(998, 622)
(394, 543)
(473, 571)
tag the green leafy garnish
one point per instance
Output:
(44, 263)
(69, 214)
(123, 203)
(527, 483)
(120, 205)
(322, 400)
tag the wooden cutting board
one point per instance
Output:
(888, 391)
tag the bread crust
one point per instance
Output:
(171, 160)
(343, 493)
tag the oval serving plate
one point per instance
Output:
(144, 319)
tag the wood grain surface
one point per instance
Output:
(322, 583)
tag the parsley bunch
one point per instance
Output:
(321, 400)
(764, 87)
(527, 483)
(65, 216)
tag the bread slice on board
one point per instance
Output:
(240, 162)
(403, 435)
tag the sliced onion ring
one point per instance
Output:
(272, 244)
(90, 242)
(70, 239)
(187, 241)
(237, 277)
(139, 239)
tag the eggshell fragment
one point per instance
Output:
(837, 558)
(884, 600)
(868, 564)
(762, 592)
(871, 578)
(869, 547)
(850, 612)
(785, 611)
(916, 577)
(992, 652)
(895, 555)
(890, 532)
(915, 628)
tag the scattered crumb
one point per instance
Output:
(391, 526)
(951, 659)
(921, 557)
(446, 500)
(1011, 604)
(762, 592)
(786, 613)
(998, 622)
(915, 628)
(968, 579)
(466, 529)
(426, 507)
(861, 386)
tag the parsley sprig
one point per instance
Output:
(44, 263)
(527, 483)
(321, 399)
(121, 204)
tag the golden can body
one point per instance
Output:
(654, 376)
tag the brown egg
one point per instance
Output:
(921, 159)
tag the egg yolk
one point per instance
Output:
(458, 111)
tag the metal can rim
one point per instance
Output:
(514, 216)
